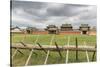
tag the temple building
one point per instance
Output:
(66, 27)
(84, 28)
(52, 29)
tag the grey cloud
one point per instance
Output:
(88, 15)
(35, 7)
(65, 10)
(41, 13)
(27, 4)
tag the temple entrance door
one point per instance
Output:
(84, 32)
(52, 32)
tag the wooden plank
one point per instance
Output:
(20, 51)
(81, 45)
(31, 51)
(23, 44)
(76, 50)
(58, 50)
(45, 62)
(35, 43)
(42, 48)
(15, 52)
(53, 48)
(26, 46)
(36, 39)
(87, 56)
(17, 48)
(67, 50)
(94, 54)
(27, 61)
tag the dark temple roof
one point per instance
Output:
(84, 25)
(51, 26)
(66, 25)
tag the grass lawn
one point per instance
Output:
(54, 57)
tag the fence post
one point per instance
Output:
(94, 54)
(58, 49)
(42, 48)
(76, 50)
(22, 43)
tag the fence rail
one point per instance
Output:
(53, 48)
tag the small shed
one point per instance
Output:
(84, 28)
(52, 29)
(30, 30)
(66, 27)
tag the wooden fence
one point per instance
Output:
(55, 47)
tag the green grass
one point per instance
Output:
(60, 39)
(54, 57)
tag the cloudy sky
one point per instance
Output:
(41, 14)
